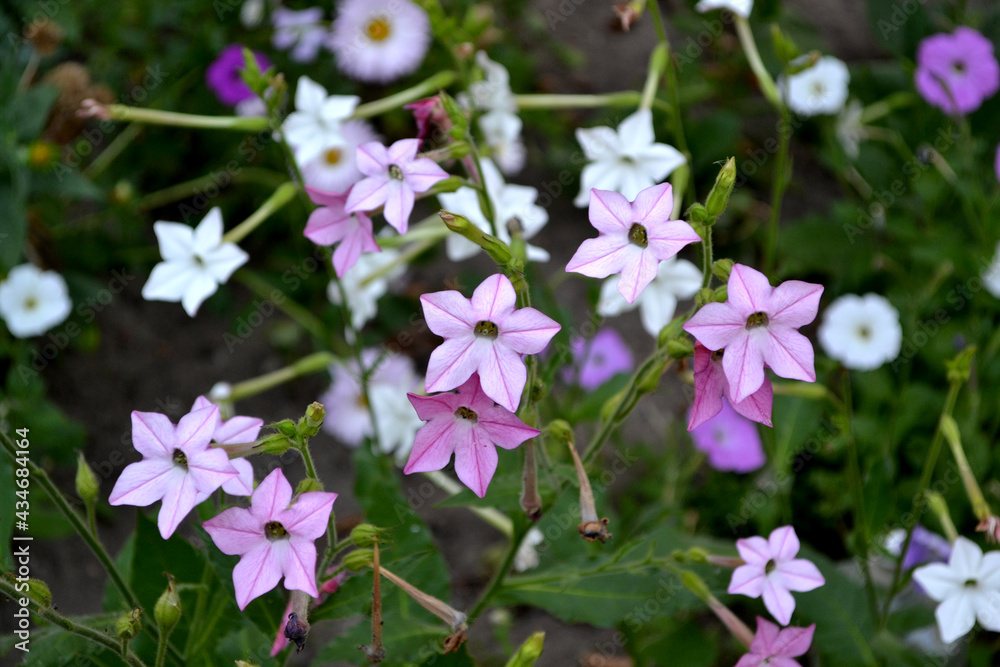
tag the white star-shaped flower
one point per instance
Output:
(861, 332)
(195, 262)
(314, 126)
(502, 133)
(33, 301)
(363, 291)
(675, 279)
(492, 93)
(968, 588)
(820, 89)
(513, 205)
(626, 160)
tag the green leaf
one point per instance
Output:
(53, 647)
(27, 113)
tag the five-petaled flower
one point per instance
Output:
(177, 466)
(486, 335)
(330, 223)
(968, 588)
(634, 238)
(394, 176)
(470, 424)
(757, 326)
(772, 570)
(314, 126)
(775, 647)
(274, 538)
(195, 262)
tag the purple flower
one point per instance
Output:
(775, 647)
(469, 424)
(925, 547)
(599, 359)
(330, 223)
(379, 40)
(957, 72)
(634, 238)
(486, 335)
(224, 76)
(177, 466)
(302, 30)
(731, 441)
(757, 326)
(710, 385)
(394, 176)
(274, 538)
(772, 570)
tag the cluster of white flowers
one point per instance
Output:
(500, 125)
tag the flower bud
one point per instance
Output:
(695, 584)
(276, 443)
(39, 591)
(87, 486)
(308, 485)
(721, 294)
(721, 268)
(680, 348)
(129, 624)
(719, 196)
(460, 122)
(560, 430)
(310, 424)
(960, 367)
(358, 559)
(672, 330)
(697, 214)
(286, 427)
(784, 47)
(704, 295)
(366, 535)
(167, 611)
(610, 406)
(493, 246)
(529, 652)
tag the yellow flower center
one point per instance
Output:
(377, 29)
(757, 320)
(332, 156)
(486, 329)
(273, 530)
(30, 303)
(637, 235)
(467, 414)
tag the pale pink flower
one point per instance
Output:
(775, 647)
(486, 335)
(274, 538)
(772, 570)
(634, 238)
(710, 385)
(330, 224)
(757, 326)
(233, 431)
(379, 40)
(394, 175)
(303, 32)
(469, 424)
(177, 466)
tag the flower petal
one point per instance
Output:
(152, 434)
(783, 543)
(527, 331)
(144, 482)
(257, 573)
(778, 601)
(432, 446)
(475, 463)
(309, 516)
(744, 367)
(747, 580)
(503, 376)
(610, 212)
(235, 531)
(748, 290)
(271, 497)
(716, 325)
(794, 303)
(454, 361)
(955, 616)
(789, 354)
(799, 575)
(494, 298)
(448, 314)
(369, 194)
(298, 564)
(655, 204)
(603, 256)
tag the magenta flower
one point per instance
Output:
(486, 335)
(772, 570)
(599, 359)
(233, 431)
(469, 424)
(394, 176)
(731, 441)
(432, 119)
(957, 72)
(774, 647)
(710, 385)
(177, 466)
(224, 76)
(757, 325)
(273, 538)
(634, 238)
(330, 223)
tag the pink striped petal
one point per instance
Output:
(475, 463)
(789, 354)
(603, 256)
(494, 298)
(609, 212)
(503, 376)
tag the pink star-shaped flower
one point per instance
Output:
(468, 423)
(775, 647)
(757, 325)
(772, 571)
(634, 238)
(235, 430)
(273, 539)
(710, 385)
(486, 335)
(177, 466)
(394, 175)
(331, 223)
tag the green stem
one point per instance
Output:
(313, 363)
(778, 189)
(764, 80)
(281, 196)
(186, 189)
(428, 229)
(307, 460)
(132, 114)
(265, 290)
(501, 574)
(857, 486)
(919, 498)
(161, 649)
(114, 149)
(490, 515)
(706, 257)
(657, 63)
(425, 88)
(108, 641)
(626, 98)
